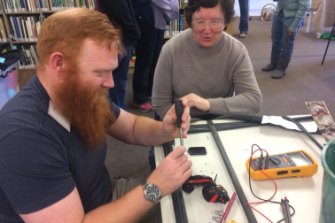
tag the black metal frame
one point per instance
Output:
(330, 38)
(244, 121)
(177, 196)
(240, 193)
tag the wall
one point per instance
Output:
(255, 7)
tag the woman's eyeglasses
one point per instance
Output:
(214, 24)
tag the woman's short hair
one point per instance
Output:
(227, 7)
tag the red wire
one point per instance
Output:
(263, 215)
(230, 204)
(213, 199)
(270, 178)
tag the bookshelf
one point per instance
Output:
(177, 25)
(20, 23)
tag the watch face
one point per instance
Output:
(151, 192)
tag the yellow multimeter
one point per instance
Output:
(291, 164)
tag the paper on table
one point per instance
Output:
(311, 127)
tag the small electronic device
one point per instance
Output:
(198, 150)
(291, 164)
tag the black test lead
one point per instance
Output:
(179, 111)
(286, 210)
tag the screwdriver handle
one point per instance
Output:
(179, 111)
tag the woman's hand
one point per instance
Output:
(193, 100)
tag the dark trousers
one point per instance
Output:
(120, 75)
(244, 17)
(147, 52)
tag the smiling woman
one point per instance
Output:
(207, 25)
(205, 67)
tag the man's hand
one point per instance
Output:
(193, 100)
(172, 171)
(170, 122)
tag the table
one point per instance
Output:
(304, 194)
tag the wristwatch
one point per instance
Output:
(151, 192)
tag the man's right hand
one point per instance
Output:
(172, 171)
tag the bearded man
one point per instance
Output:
(53, 133)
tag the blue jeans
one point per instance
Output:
(282, 43)
(244, 15)
(120, 75)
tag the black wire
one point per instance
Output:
(253, 193)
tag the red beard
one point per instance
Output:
(87, 109)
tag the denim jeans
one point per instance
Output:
(282, 43)
(120, 75)
(244, 15)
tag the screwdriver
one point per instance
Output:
(179, 111)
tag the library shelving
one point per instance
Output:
(177, 25)
(20, 23)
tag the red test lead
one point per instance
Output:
(230, 204)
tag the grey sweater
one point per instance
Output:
(223, 74)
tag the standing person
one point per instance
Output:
(208, 69)
(319, 18)
(285, 25)
(121, 14)
(244, 18)
(152, 17)
(164, 12)
(53, 133)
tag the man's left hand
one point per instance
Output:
(170, 122)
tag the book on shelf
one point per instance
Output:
(31, 6)
(57, 5)
(23, 27)
(81, 3)
(182, 3)
(14, 28)
(90, 4)
(29, 57)
(3, 30)
(34, 54)
(15, 6)
(44, 5)
(175, 26)
(26, 28)
(20, 23)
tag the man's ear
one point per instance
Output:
(57, 61)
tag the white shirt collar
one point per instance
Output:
(53, 112)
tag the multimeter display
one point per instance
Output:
(292, 164)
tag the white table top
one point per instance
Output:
(304, 194)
